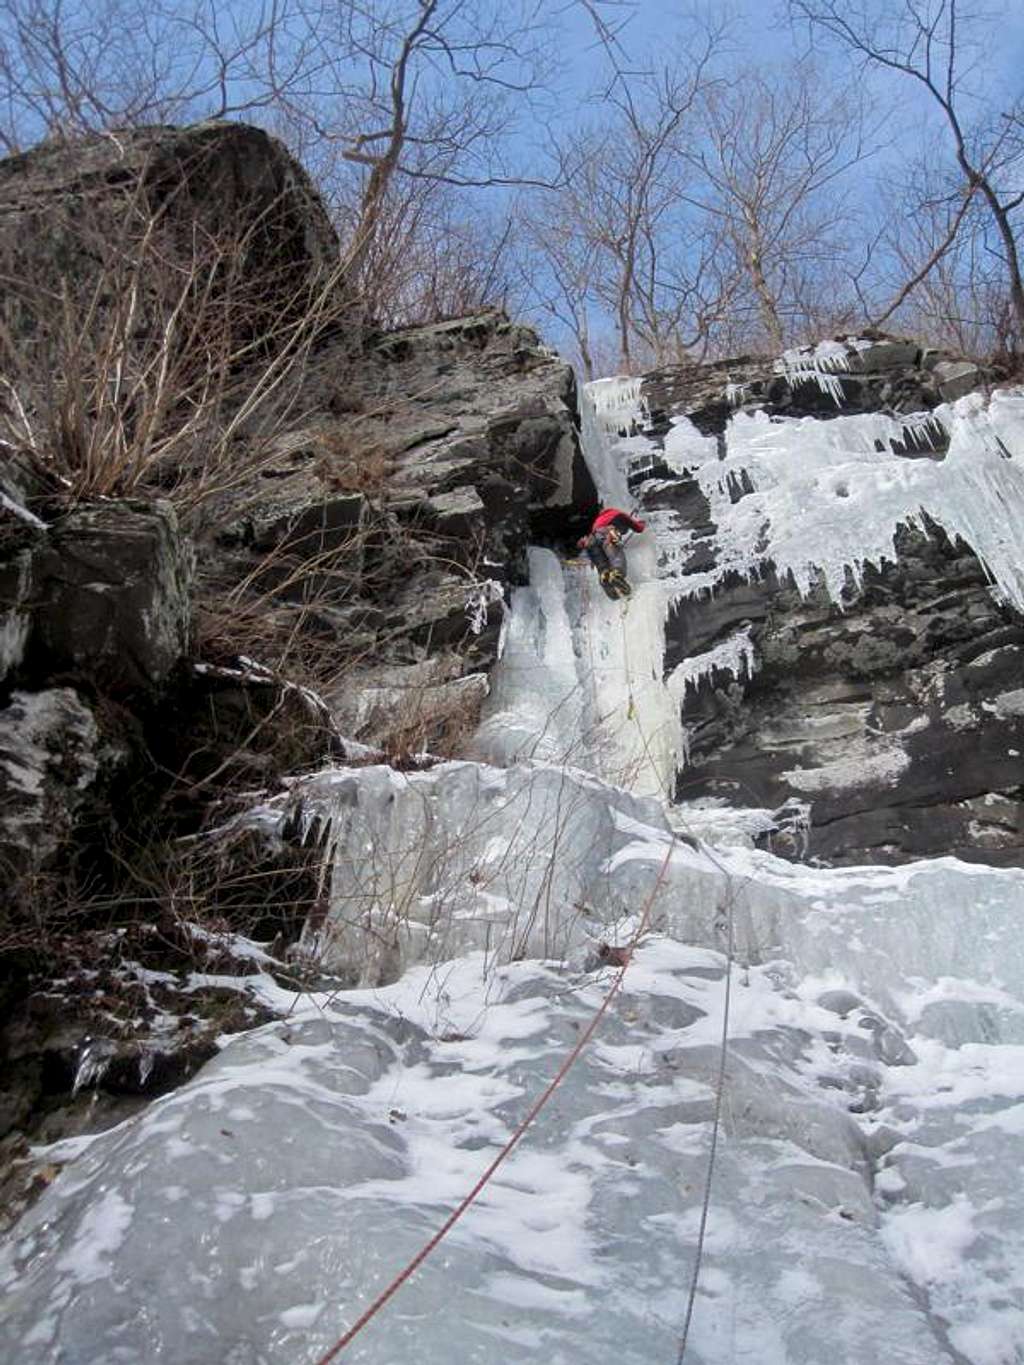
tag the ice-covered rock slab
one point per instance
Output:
(313, 1158)
(431, 864)
(864, 1206)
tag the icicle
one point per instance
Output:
(146, 1059)
(615, 402)
(825, 358)
(734, 656)
(92, 1063)
(820, 365)
(829, 497)
(610, 410)
(21, 513)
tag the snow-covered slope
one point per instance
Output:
(865, 1204)
(868, 1100)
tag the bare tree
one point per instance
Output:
(429, 258)
(945, 284)
(774, 154)
(634, 186)
(703, 212)
(564, 290)
(929, 41)
(69, 71)
(422, 90)
(398, 104)
(614, 239)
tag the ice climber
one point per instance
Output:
(603, 547)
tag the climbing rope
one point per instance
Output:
(409, 1269)
(632, 715)
(716, 1123)
(723, 1050)
(465, 1203)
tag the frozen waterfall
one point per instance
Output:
(580, 677)
(866, 1204)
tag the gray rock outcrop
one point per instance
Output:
(114, 594)
(103, 592)
(73, 210)
(894, 711)
(392, 520)
(49, 759)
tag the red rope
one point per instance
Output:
(404, 1274)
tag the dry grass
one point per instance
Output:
(352, 462)
(153, 363)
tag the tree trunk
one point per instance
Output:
(1002, 218)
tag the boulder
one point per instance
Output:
(65, 208)
(459, 512)
(114, 584)
(956, 378)
(886, 354)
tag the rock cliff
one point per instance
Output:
(184, 636)
(881, 692)
(207, 590)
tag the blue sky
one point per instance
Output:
(760, 33)
(759, 30)
(756, 34)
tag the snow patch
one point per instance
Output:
(99, 1236)
(1007, 705)
(883, 768)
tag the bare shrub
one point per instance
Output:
(351, 463)
(153, 361)
(437, 720)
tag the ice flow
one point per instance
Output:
(865, 1205)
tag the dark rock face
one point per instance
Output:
(70, 208)
(103, 592)
(379, 525)
(393, 520)
(489, 439)
(894, 717)
(114, 594)
(335, 571)
(312, 527)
